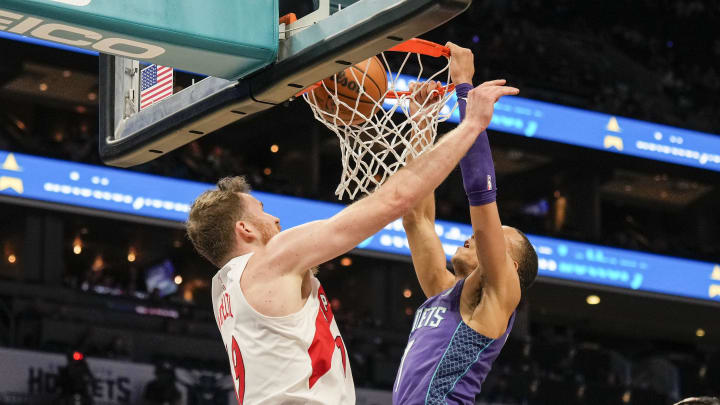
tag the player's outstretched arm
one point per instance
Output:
(499, 280)
(428, 256)
(311, 244)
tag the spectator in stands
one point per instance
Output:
(75, 381)
(162, 390)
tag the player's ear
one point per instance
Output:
(243, 232)
(515, 263)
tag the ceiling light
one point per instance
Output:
(77, 246)
(592, 299)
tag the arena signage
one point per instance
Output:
(76, 36)
(30, 377)
(594, 130)
(67, 185)
(218, 38)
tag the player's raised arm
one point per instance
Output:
(308, 245)
(499, 282)
(426, 250)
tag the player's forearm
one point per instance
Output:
(425, 210)
(477, 167)
(421, 176)
(428, 257)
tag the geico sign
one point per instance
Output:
(75, 36)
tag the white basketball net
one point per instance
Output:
(379, 145)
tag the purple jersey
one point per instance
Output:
(445, 361)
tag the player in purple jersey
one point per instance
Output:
(459, 331)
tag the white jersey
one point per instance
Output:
(294, 359)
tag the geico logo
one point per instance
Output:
(74, 2)
(75, 36)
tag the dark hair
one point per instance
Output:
(524, 254)
(700, 401)
(212, 219)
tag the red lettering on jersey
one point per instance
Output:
(341, 346)
(224, 310)
(238, 370)
(323, 345)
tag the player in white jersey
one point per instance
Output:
(278, 329)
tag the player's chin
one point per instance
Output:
(457, 257)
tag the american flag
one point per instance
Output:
(156, 83)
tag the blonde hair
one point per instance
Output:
(211, 222)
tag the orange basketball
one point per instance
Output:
(350, 86)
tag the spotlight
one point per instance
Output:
(178, 279)
(407, 293)
(345, 261)
(700, 332)
(274, 148)
(11, 258)
(77, 246)
(592, 299)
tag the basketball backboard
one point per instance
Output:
(339, 33)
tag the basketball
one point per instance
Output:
(351, 89)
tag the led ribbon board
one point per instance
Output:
(573, 126)
(137, 194)
(221, 38)
(589, 129)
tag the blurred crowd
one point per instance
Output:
(549, 365)
(652, 60)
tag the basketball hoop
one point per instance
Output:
(375, 145)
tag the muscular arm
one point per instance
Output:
(428, 256)
(311, 244)
(498, 281)
(501, 283)
(302, 247)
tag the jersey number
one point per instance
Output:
(323, 346)
(402, 363)
(238, 370)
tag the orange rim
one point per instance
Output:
(423, 47)
(288, 18)
(413, 45)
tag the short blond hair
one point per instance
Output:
(211, 222)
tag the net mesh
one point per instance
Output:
(376, 145)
